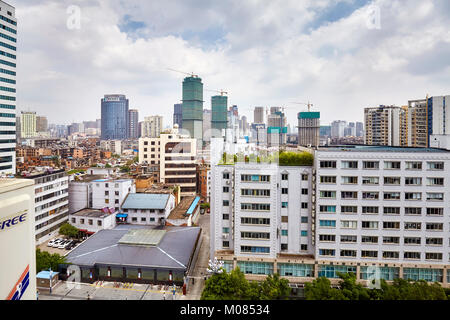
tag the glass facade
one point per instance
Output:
(296, 270)
(251, 267)
(192, 110)
(330, 271)
(219, 118)
(430, 275)
(372, 272)
(115, 117)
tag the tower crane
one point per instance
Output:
(218, 91)
(306, 104)
(189, 74)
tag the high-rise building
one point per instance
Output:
(207, 115)
(41, 124)
(258, 115)
(417, 123)
(114, 117)
(192, 111)
(152, 126)
(338, 128)
(8, 33)
(28, 124)
(133, 124)
(438, 117)
(386, 126)
(178, 114)
(309, 129)
(359, 129)
(276, 127)
(219, 119)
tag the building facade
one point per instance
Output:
(219, 121)
(133, 124)
(178, 114)
(308, 129)
(386, 126)
(115, 117)
(152, 126)
(192, 112)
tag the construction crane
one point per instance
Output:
(189, 74)
(219, 91)
(306, 104)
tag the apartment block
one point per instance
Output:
(386, 126)
(385, 207)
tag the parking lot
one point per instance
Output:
(44, 247)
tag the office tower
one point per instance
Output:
(244, 126)
(41, 124)
(359, 129)
(308, 129)
(114, 115)
(383, 207)
(386, 126)
(338, 129)
(175, 154)
(258, 134)
(261, 217)
(219, 119)
(28, 124)
(325, 131)
(17, 245)
(192, 110)
(258, 115)
(438, 116)
(8, 32)
(178, 114)
(133, 123)
(207, 115)
(276, 127)
(152, 126)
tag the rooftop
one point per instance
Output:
(146, 201)
(143, 237)
(92, 213)
(184, 208)
(368, 148)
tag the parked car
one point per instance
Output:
(57, 242)
(51, 242)
(68, 244)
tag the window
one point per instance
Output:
(226, 175)
(391, 210)
(349, 224)
(284, 176)
(225, 203)
(349, 239)
(225, 230)
(73, 220)
(411, 255)
(371, 164)
(435, 196)
(349, 209)
(255, 192)
(327, 238)
(134, 219)
(284, 190)
(327, 223)
(391, 195)
(226, 244)
(413, 211)
(392, 165)
(435, 211)
(371, 180)
(327, 209)
(143, 219)
(369, 239)
(303, 247)
(435, 226)
(411, 240)
(304, 220)
(435, 181)
(349, 180)
(369, 224)
(328, 179)
(99, 223)
(413, 196)
(434, 241)
(326, 252)
(255, 178)
(304, 233)
(391, 240)
(349, 164)
(433, 256)
(369, 254)
(413, 165)
(370, 210)
(328, 164)
(328, 194)
(435, 165)
(256, 235)
(304, 205)
(226, 189)
(284, 204)
(304, 191)
(413, 181)
(304, 177)
(255, 206)
(348, 253)
(257, 221)
(391, 225)
(370, 195)
(226, 216)
(349, 195)
(284, 219)
(391, 255)
(81, 221)
(253, 249)
(392, 180)
(284, 246)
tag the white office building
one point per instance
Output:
(111, 192)
(8, 134)
(383, 207)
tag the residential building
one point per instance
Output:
(111, 192)
(276, 128)
(338, 128)
(152, 126)
(175, 154)
(417, 123)
(17, 243)
(28, 124)
(308, 129)
(258, 115)
(207, 128)
(258, 134)
(114, 115)
(91, 221)
(386, 126)
(8, 131)
(133, 125)
(41, 124)
(51, 201)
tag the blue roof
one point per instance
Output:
(146, 201)
(45, 274)
(122, 215)
(193, 205)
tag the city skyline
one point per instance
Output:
(309, 59)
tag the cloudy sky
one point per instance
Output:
(341, 55)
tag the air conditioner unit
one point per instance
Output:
(225, 236)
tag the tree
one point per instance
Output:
(228, 286)
(45, 260)
(320, 289)
(68, 230)
(274, 288)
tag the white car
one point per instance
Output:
(62, 244)
(57, 243)
(51, 242)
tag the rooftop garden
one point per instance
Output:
(283, 158)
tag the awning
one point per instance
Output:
(121, 215)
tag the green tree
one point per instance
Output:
(68, 230)
(125, 169)
(320, 289)
(274, 288)
(228, 286)
(45, 260)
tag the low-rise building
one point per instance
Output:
(91, 220)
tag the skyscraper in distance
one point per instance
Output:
(192, 110)
(219, 120)
(178, 114)
(133, 124)
(8, 33)
(115, 117)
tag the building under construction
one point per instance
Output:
(192, 110)
(219, 120)
(308, 129)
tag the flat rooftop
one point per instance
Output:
(181, 211)
(91, 213)
(146, 201)
(367, 148)
(173, 251)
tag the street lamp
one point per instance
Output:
(215, 266)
